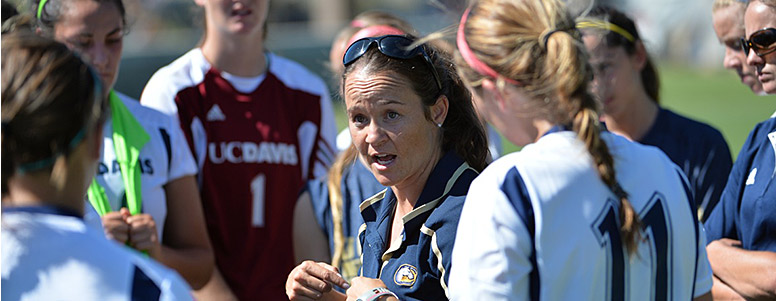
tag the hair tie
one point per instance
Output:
(547, 36)
(601, 24)
(41, 4)
(471, 59)
(375, 31)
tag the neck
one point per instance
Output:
(542, 127)
(229, 54)
(408, 192)
(636, 120)
(37, 190)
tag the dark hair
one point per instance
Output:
(462, 130)
(52, 10)
(649, 76)
(50, 100)
(8, 11)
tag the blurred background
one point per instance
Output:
(678, 34)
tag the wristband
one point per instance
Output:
(375, 293)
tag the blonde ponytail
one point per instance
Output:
(334, 185)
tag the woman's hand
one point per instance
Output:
(311, 280)
(115, 225)
(143, 235)
(359, 285)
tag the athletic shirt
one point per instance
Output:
(51, 254)
(417, 265)
(699, 150)
(541, 225)
(163, 159)
(747, 210)
(357, 185)
(255, 150)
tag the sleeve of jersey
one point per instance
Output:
(703, 280)
(717, 166)
(722, 220)
(182, 162)
(492, 247)
(152, 279)
(327, 136)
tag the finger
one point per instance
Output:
(300, 292)
(334, 276)
(124, 212)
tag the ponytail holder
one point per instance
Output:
(41, 4)
(546, 37)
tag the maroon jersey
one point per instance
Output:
(256, 141)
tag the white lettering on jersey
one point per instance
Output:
(215, 114)
(249, 152)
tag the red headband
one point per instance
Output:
(375, 31)
(471, 59)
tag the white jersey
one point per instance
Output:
(54, 256)
(163, 159)
(541, 225)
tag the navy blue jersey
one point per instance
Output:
(747, 209)
(699, 150)
(357, 185)
(418, 268)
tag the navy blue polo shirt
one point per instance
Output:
(699, 150)
(747, 209)
(418, 268)
(357, 184)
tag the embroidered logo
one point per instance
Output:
(215, 114)
(405, 275)
(752, 174)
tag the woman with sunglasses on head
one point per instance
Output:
(742, 228)
(53, 110)
(413, 123)
(626, 82)
(579, 213)
(259, 126)
(144, 193)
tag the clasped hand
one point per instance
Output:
(138, 231)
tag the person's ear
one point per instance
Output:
(200, 2)
(639, 56)
(439, 110)
(491, 91)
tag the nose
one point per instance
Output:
(731, 61)
(98, 56)
(754, 59)
(375, 134)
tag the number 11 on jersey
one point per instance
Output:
(258, 188)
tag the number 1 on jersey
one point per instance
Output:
(258, 187)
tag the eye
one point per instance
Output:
(359, 120)
(391, 115)
(81, 42)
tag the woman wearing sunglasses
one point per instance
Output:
(742, 228)
(579, 213)
(728, 19)
(413, 124)
(627, 83)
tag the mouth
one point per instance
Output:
(383, 160)
(241, 12)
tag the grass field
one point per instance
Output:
(715, 97)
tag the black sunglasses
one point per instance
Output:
(762, 42)
(394, 46)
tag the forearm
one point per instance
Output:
(721, 291)
(194, 264)
(215, 289)
(752, 274)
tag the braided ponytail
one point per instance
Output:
(346, 158)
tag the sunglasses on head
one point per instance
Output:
(762, 42)
(393, 46)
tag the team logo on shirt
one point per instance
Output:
(405, 275)
(215, 114)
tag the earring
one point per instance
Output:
(439, 124)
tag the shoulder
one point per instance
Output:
(147, 116)
(694, 129)
(296, 76)
(761, 131)
(186, 71)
